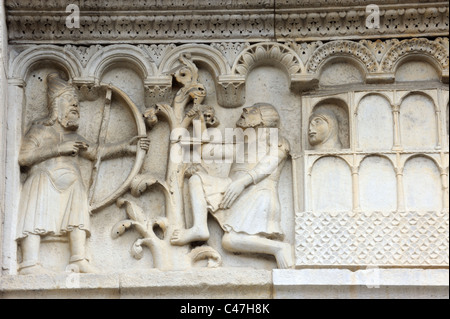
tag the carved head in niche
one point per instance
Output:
(323, 132)
(63, 103)
(259, 115)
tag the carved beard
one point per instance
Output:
(68, 122)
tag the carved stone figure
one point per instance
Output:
(54, 197)
(245, 203)
(323, 130)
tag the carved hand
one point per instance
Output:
(232, 193)
(142, 142)
(194, 112)
(71, 148)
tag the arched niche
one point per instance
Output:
(447, 122)
(377, 184)
(375, 123)
(33, 57)
(418, 124)
(117, 55)
(416, 70)
(331, 185)
(340, 72)
(341, 111)
(422, 185)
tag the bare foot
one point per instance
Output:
(284, 256)
(181, 237)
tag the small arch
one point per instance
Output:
(203, 54)
(431, 158)
(381, 94)
(424, 94)
(323, 156)
(272, 53)
(430, 51)
(339, 70)
(354, 52)
(29, 58)
(106, 58)
(412, 68)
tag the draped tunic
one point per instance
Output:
(54, 197)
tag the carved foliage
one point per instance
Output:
(271, 52)
(342, 48)
(415, 46)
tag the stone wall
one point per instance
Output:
(95, 201)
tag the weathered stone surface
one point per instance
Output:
(126, 171)
(361, 284)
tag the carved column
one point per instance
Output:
(309, 200)
(3, 105)
(297, 177)
(355, 186)
(397, 138)
(16, 101)
(400, 188)
(444, 179)
(438, 128)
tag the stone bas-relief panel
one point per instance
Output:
(382, 201)
(60, 191)
(343, 190)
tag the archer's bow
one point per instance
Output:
(101, 143)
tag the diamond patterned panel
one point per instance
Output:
(372, 238)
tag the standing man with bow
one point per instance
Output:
(54, 197)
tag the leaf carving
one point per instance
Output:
(120, 227)
(136, 250)
(133, 211)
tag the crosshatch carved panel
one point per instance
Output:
(388, 238)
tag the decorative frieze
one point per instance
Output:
(153, 22)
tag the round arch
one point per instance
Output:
(26, 60)
(102, 60)
(204, 54)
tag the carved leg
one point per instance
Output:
(78, 261)
(242, 243)
(30, 256)
(199, 231)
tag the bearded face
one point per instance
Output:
(68, 111)
(250, 117)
